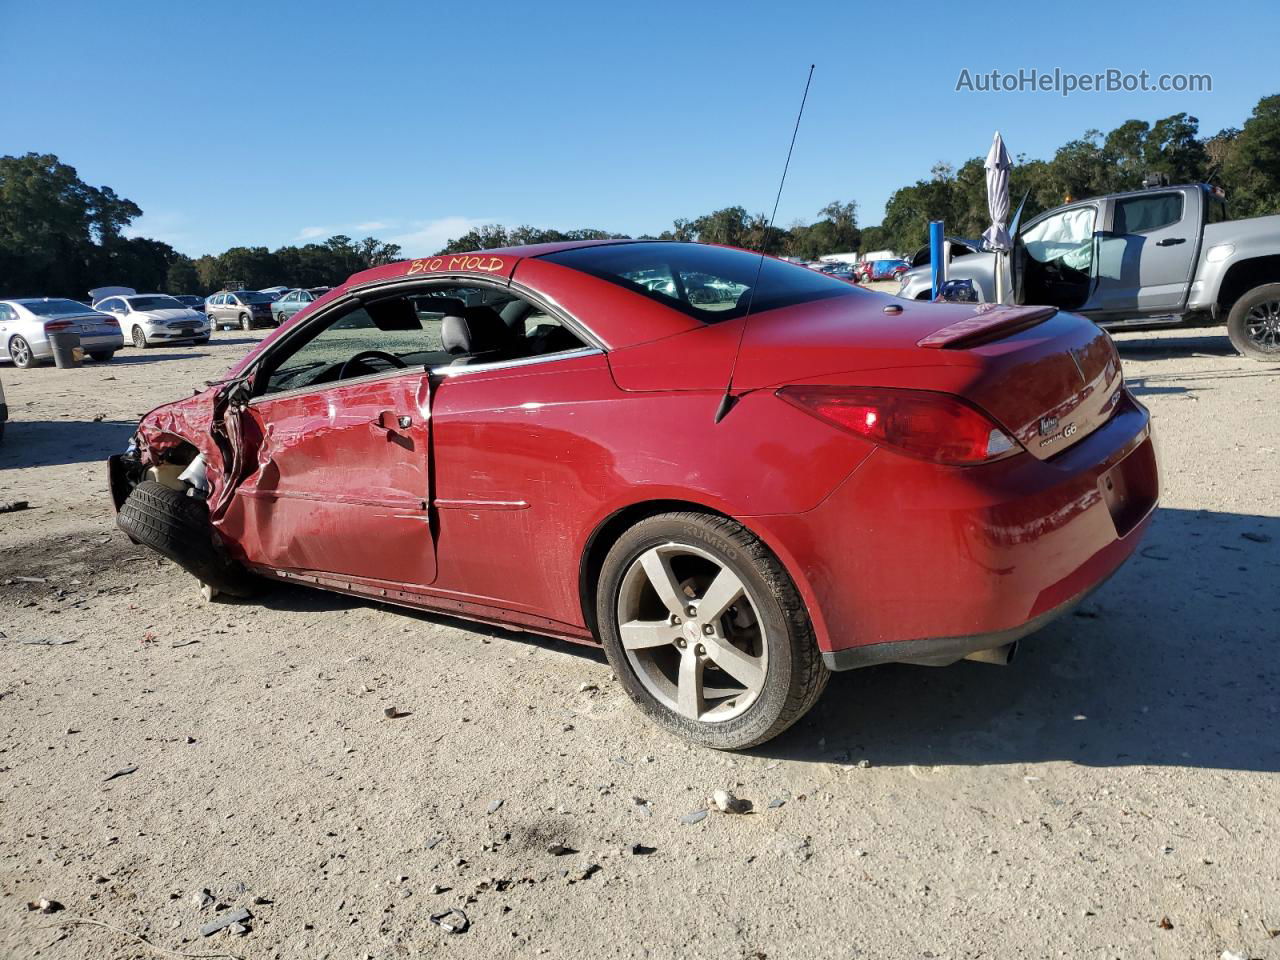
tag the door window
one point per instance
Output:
(1143, 214)
(439, 326)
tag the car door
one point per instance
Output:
(342, 478)
(1054, 258)
(1145, 257)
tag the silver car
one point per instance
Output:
(25, 327)
(151, 318)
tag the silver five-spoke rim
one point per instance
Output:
(21, 353)
(1263, 324)
(692, 633)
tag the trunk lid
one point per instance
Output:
(1049, 379)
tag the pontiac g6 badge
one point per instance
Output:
(1050, 432)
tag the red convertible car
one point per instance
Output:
(533, 437)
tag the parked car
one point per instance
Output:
(295, 300)
(960, 247)
(537, 437)
(26, 324)
(1142, 260)
(195, 303)
(245, 309)
(147, 319)
(275, 293)
(881, 270)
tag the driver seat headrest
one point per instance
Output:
(478, 330)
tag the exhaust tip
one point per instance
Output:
(1001, 656)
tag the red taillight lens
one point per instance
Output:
(110, 322)
(931, 426)
(57, 326)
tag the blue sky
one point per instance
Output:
(271, 123)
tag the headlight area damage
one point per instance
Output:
(176, 480)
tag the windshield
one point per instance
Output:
(155, 303)
(256, 297)
(56, 308)
(709, 283)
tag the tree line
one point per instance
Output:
(59, 236)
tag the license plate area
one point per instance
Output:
(1129, 488)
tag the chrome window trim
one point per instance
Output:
(450, 371)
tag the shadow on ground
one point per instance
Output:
(1173, 662)
(44, 443)
(135, 357)
(1139, 346)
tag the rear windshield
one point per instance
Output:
(256, 297)
(709, 283)
(155, 303)
(56, 308)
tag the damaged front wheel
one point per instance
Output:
(177, 526)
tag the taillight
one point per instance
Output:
(110, 322)
(919, 423)
(56, 326)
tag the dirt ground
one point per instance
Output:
(1113, 793)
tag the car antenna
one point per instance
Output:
(728, 400)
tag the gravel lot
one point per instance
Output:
(1114, 793)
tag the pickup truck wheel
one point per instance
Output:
(177, 526)
(1254, 323)
(706, 631)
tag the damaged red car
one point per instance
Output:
(535, 437)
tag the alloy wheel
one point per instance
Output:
(139, 338)
(20, 352)
(245, 322)
(692, 633)
(1263, 325)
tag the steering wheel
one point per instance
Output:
(363, 355)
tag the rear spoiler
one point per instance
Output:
(986, 325)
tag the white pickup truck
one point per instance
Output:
(1152, 258)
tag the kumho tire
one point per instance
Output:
(177, 526)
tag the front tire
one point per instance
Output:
(1254, 323)
(20, 353)
(140, 338)
(706, 631)
(177, 526)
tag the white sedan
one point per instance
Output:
(147, 319)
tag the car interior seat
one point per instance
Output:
(475, 335)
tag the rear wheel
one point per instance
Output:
(706, 631)
(139, 338)
(1254, 323)
(246, 322)
(102, 356)
(20, 353)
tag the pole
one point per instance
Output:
(936, 256)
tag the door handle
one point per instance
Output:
(380, 422)
(1170, 241)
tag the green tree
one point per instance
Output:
(1251, 171)
(182, 276)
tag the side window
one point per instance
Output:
(437, 327)
(358, 342)
(1142, 214)
(113, 305)
(1216, 211)
(5, 313)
